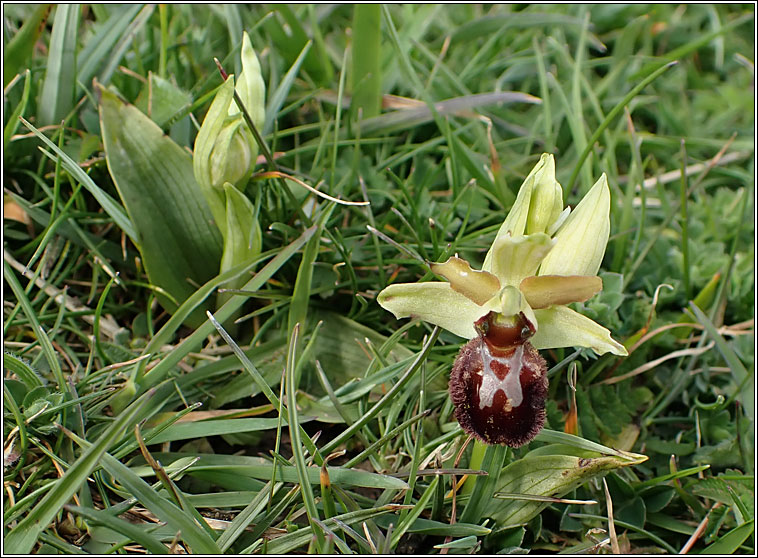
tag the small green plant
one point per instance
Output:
(196, 358)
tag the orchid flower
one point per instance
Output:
(542, 259)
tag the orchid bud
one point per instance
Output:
(225, 148)
(233, 155)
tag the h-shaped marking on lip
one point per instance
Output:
(510, 384)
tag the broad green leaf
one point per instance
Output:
(341, 349)
(161, 100)
(21, 539)
(57, 98)
(178, 241)
(547, 475)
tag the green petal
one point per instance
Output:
(479, 286)
(560, 326)
(436, 303)
(581, 241)
(514, 258)
(552, 290)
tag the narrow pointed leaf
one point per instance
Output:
(21, 539)
(19, 49)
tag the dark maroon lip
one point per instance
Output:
(498, 383)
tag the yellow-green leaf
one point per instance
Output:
(548, 475)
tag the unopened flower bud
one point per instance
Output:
(225, 148)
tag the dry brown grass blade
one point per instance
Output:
(653, 363)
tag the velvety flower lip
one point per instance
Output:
(543, 258)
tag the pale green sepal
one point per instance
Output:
(250, 86)
(582, 240)
(436, 303)
(560, 326)
(214, 121)
(514, 258)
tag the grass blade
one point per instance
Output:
(20, 47)
(191, 532)
(195, 340)
(742, 377)
(57, 98)
(102, 43)
(366, 70)
(13, 121)
(21, 539)
(111, 206)
(305, 487)
(139, 536)
(276, 100)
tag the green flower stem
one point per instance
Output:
(477, 457)
(685, 226)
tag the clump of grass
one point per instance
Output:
(316, 422)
